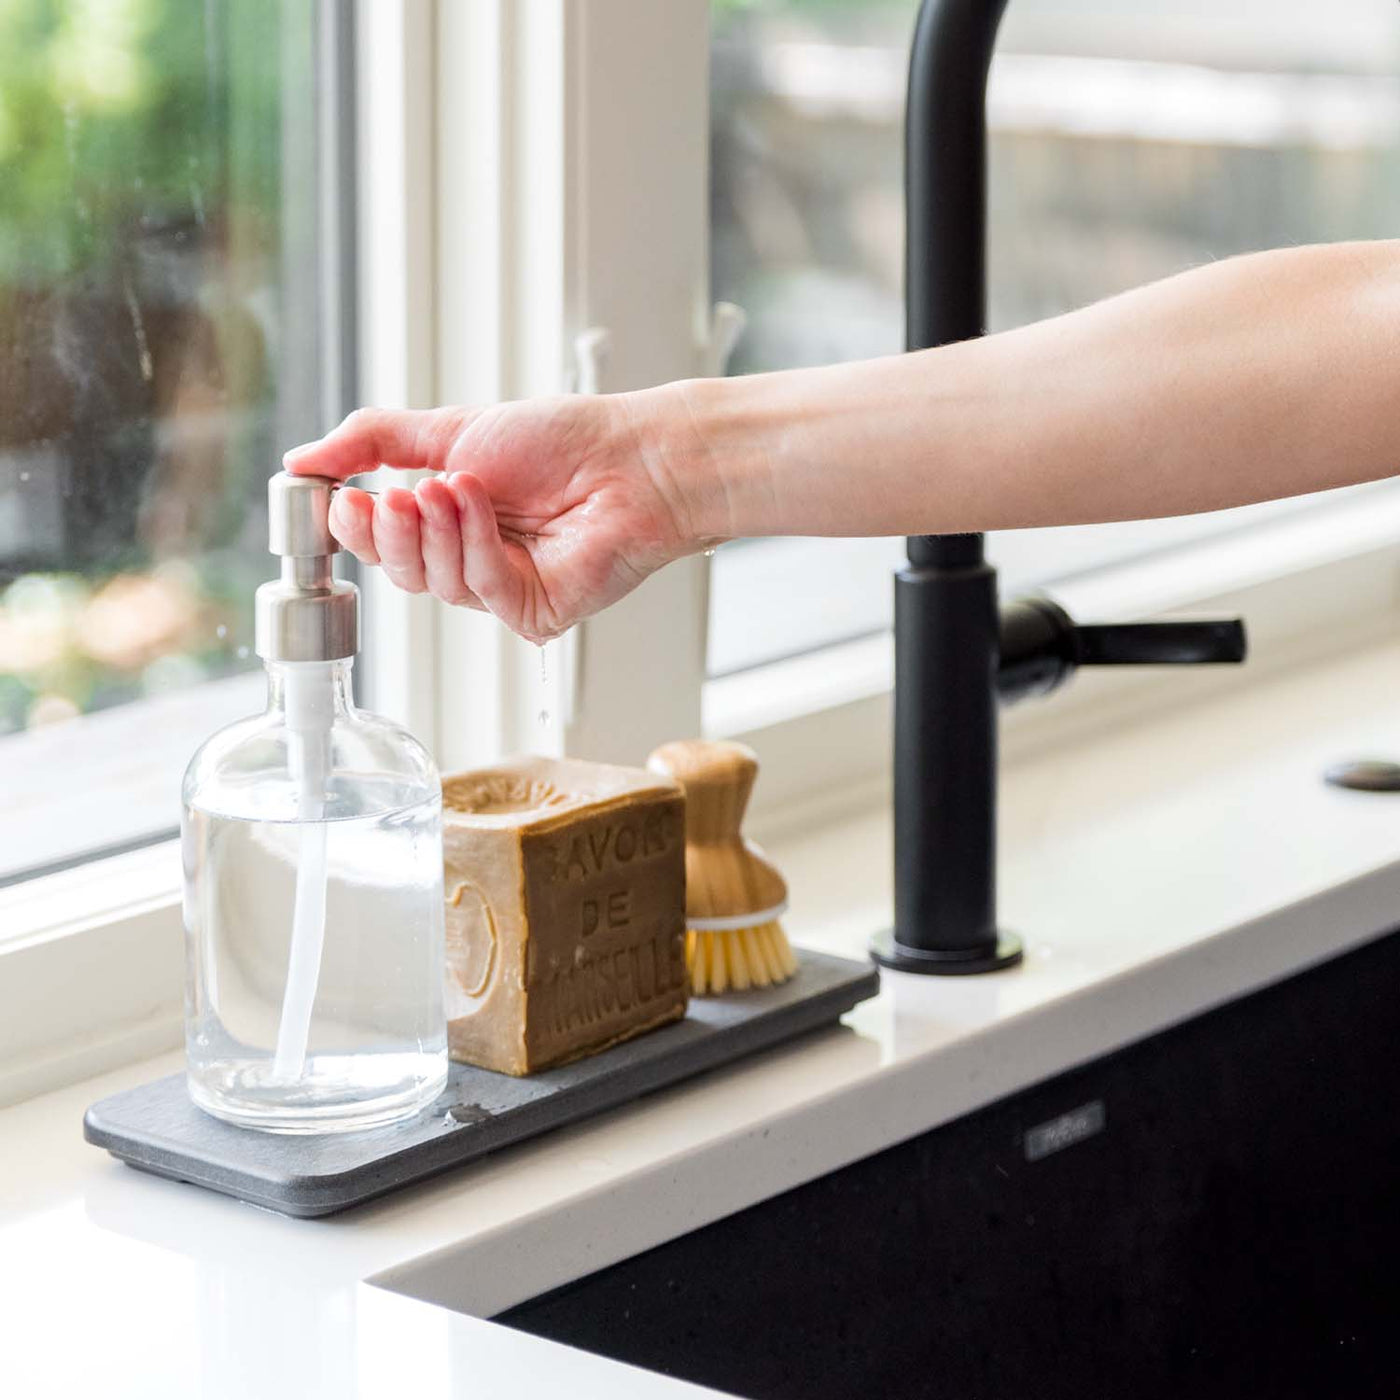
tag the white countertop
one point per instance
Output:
(1154, 873)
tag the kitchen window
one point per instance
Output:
(1128, 141)
(176, 298)
(526, 213)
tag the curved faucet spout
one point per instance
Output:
(945, 191)
(945, 615)
(945, 171)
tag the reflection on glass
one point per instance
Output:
(155, 167)
(1129, 140)
(806, 185)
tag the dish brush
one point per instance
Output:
(734, 896)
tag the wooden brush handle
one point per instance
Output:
(725, 875)
(718, 777)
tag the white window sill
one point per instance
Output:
(90, 895)
(110, 780)
(90, 970)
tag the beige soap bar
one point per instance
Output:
(565, 888)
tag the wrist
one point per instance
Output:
(705, 443)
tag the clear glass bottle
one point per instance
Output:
(312, 839)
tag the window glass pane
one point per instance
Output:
(159, 345)
(1130, 139)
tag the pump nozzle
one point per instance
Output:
(307, 614)
(306, 619)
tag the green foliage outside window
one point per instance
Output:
(142, 248)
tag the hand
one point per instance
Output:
(546, 510)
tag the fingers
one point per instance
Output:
(442, 538)
(398, 540)
(374, 437)
(441, 532)
(352, 523)
(486, 565)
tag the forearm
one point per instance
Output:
(1240, 381)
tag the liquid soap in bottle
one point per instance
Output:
(312, 847)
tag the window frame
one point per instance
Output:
(544, 222)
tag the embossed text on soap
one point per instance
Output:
(612, 982)
(612, 845)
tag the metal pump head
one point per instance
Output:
(307, 614)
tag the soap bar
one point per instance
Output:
(565, 891)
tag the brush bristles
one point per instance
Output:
(737, 959)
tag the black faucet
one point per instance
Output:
(956, 652)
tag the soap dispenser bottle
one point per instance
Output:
(312, 848)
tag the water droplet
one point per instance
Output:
(221, 631)
(542, 718)
(709, 554)
(242, 653)
(24, 476)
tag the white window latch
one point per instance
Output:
(590, 360)
(727, 322)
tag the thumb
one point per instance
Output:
(373, 437)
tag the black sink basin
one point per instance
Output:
(1210, 1212)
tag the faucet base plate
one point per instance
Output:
(888, 951)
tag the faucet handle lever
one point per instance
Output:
(1159, 643)
(1041, 646)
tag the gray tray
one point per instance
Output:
(157, 1128)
